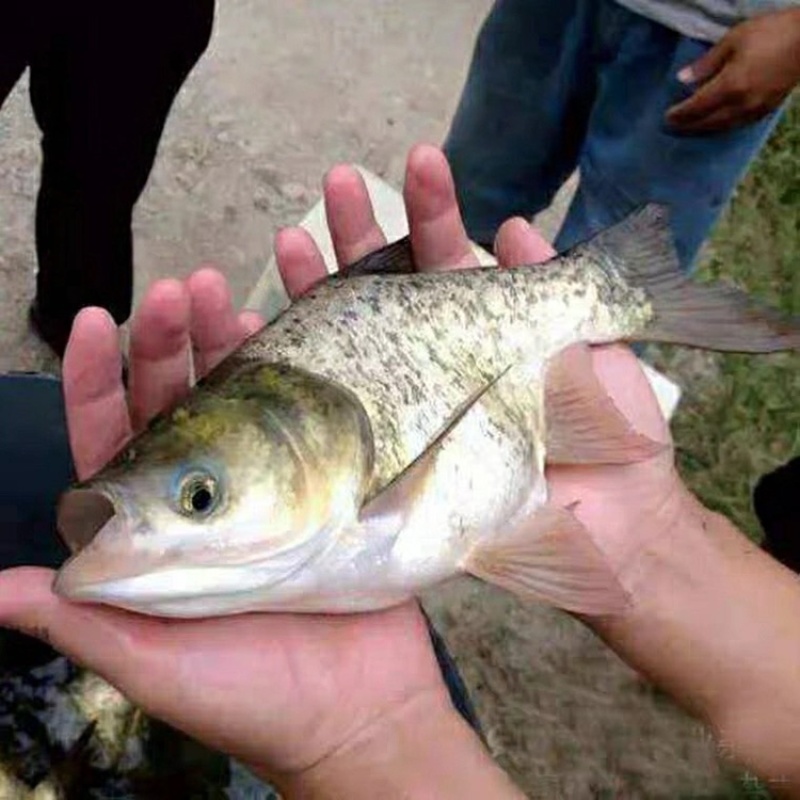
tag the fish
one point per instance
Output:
(391, 430)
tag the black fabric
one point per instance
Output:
(35, 467)
(103, 77)
(459, 696)
(776, 501)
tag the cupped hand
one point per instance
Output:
(743, 77)
(287, 693)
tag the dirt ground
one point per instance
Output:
(285, 91)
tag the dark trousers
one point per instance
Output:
(777, 509)
(103, 77)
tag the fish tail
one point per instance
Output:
(709, 316)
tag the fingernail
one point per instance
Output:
(686, 75)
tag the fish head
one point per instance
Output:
(233, 490)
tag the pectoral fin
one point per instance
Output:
(550, 557)
(401, 492)
(399, 496)
(583, 424)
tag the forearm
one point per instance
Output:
(425, 751)
(716, 623)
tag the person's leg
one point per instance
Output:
(631, 156)
(101, 95)
(521, 119)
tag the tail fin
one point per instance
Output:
(711, 316)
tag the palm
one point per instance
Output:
(262, 687)
(613, 500)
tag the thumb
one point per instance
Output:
(708, 65)
(104, 640)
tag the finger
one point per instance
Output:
(96, 408)
(215, 327)
(518, 243)
(160, 350)
(355, 232)
(708, 65)
(437, 231)
(705, 101)
(105, 640)
(723, 119)
(299, 261)
(250, 322)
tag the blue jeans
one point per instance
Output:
(586, 84)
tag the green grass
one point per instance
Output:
(745, 419)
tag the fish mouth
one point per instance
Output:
(100, 536)
(111, 563)
(81, 515)
(178, 592)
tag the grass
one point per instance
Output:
(743, 419)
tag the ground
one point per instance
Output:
(285, 91)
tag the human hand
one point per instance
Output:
(744, 77)
(331, 691)
(299, 699)
(684, 567)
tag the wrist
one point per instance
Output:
(421, 749)
(675, 618)
(713, 623)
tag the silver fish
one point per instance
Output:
(390, 431)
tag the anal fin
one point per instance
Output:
(583, 425)
(550, 557)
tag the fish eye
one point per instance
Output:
(199, 494)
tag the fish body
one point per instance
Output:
(391, 431)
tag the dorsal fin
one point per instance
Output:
(395, 258)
